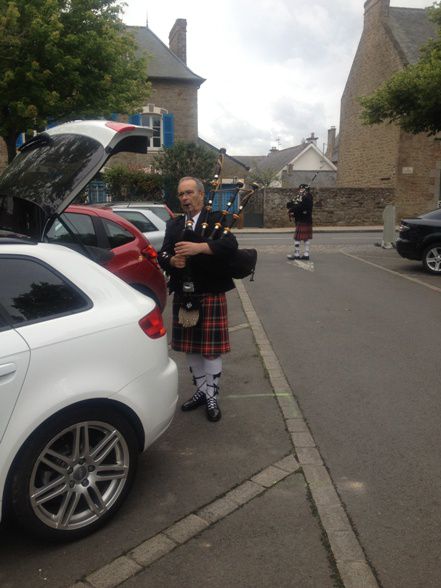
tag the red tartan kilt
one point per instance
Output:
(303, 232)
(210, 336)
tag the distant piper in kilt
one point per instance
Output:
(300, 210)
(194, 265)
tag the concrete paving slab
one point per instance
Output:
(274, 540)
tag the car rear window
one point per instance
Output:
(140, 221)
(35, 292)
(117, 235)
(78, 224)
(160, 211)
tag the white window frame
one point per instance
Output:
(148, 113)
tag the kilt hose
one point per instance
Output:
(210, 335)
(303, 232)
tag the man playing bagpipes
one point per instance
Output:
(300, 210)
(195, 263)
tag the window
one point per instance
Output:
(117, 235)
(160, 121)
(153, 121)
(140, 221)
(79, 224)
(34, 292)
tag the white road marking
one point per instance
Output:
(306, 265)
(393, 272)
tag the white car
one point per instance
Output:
(145, 220)
(85, 378)
(85, 384)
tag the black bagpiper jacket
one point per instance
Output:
(302, 210)
(208, 272)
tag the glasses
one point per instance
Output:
(185, 193)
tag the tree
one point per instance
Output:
(410, 98)
(64, 59)
(126, 183)
(184, 159)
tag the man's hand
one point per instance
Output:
(186, 248)
(178, 261)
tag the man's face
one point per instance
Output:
(191, 200)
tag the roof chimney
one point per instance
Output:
(375, 10)
(311, 139)
(177, 39)
(331, 143)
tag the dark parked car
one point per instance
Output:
(420, 239)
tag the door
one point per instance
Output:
(14, 361)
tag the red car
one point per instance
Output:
(115, 243)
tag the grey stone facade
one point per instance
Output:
(332, 206)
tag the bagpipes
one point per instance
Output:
(238, 265)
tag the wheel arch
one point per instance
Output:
(96, 403)
(430, 240)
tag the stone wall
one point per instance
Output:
(332, 206)
(368, 154)
(383, 156)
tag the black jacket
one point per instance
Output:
(207, 272)
(302, 210)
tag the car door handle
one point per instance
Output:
(7, 369)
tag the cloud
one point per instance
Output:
(274, 69)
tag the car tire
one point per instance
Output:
(74, 473)
(432, 258)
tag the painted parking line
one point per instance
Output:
(393, 272)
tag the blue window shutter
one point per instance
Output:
(20, 140)
(135, 119)
(168, 129)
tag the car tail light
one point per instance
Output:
(151, 255)
(152, 324)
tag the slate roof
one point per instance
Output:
(276, 160)
(163, 63)
(410, 28)
(233, 166)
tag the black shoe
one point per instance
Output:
(305, 257)
(213, 411)
(195, 401)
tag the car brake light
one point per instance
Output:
(152, 324)
(120, 127)
(150, 253)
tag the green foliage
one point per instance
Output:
(184, 159)
(64, 59)
(410, 98)
(127, 183)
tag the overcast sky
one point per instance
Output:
(275, 69)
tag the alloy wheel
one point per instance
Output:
(433, 259)
(79, 475)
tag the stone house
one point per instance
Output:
(172, 108)
(383, 156)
